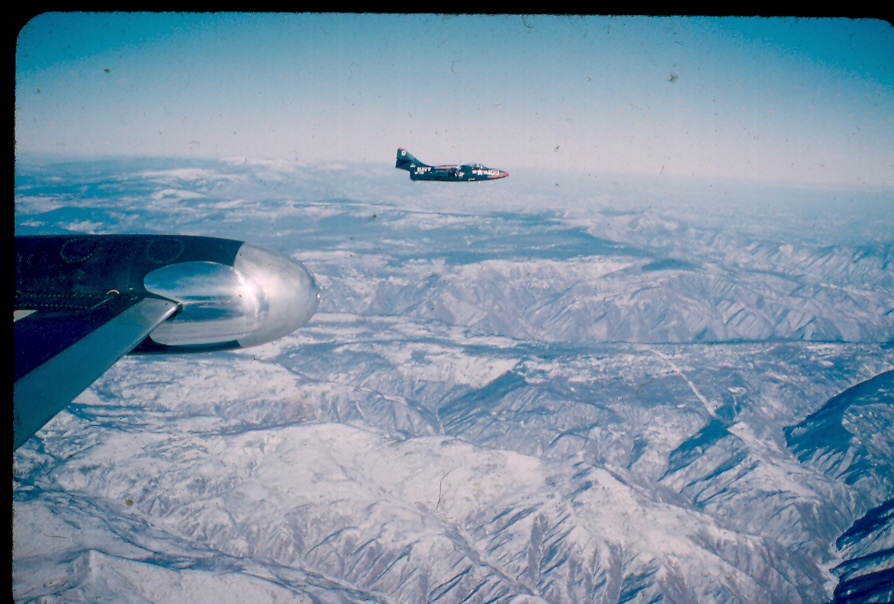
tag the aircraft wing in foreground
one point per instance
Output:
(458, 173)
(84, 301)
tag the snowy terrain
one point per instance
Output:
(545, 389)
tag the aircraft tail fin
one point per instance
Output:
(406, 161)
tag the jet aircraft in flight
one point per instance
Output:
(84, 301)
(463, 173)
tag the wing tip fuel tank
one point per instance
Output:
(263, 296)
(94, 298)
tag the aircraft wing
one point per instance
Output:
(84, 301)
(58, 354)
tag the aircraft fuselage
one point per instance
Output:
(448, 173)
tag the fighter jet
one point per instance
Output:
(463, 173)
(84, 301)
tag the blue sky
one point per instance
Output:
(793, 100)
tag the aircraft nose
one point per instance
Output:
(292, 294)
(502, 174)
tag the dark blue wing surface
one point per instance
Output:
(60, 355)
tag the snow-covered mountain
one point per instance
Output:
(867, 572)
(850, 438)
(507, 395)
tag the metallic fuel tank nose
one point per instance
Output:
(291, 291)
(264, 295)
